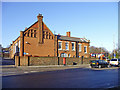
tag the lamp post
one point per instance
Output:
(114, 47)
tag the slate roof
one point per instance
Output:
(60, 37)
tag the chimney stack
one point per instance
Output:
(68, 34)
(25, 28)
(40, 29)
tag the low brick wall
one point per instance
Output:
(24, 60)
(36, 61)
(69, 61)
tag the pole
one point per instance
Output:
(101, 51)
(114, 46)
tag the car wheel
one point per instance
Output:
(100, 66)
(91, 66)
(118, 65)
(108, 66)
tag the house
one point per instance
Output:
(38, 41)
(72, 47)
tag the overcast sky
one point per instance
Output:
(96, 21)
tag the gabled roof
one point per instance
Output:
(31, 26)
(60, 37)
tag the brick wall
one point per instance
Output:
(69, 61)
(36, 61)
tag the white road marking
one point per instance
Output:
(25, 72)
(33, 71)
(10, 72)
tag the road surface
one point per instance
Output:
(69, 78)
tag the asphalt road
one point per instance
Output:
(69, 78)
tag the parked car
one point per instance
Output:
(107, 59)
(114, 62)
(99, 63)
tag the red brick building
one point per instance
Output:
(38, 40)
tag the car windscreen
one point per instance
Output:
(104, 61)
(113, 60)
(100, 61)
(93, 61)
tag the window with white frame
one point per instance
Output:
(64, 55)
(79, 47)
(66, 45)
(60, 45)
(85, 49)
(73, 46)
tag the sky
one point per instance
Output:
(96, 21)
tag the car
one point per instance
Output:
(107, 59)
(99, 63)
(114, 62)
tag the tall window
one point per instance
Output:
(49, 35)
(28, 33)
(73, 46)
(31, 33)
(67, 46)
(79, 47)
(46, 35)
(85, 49)
(60, 45)
(34, 33)
(43, 34)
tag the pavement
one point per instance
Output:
(12, 70)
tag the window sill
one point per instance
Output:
(73, 50)
(60, 49)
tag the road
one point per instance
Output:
(68, 78)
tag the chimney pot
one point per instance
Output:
(25, 28)
(68, 34)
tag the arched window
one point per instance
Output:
(49, 35)
(46, 35)
(28, 33)
(34, 33)
(43, 34)
(25, 34)
(31, 33)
